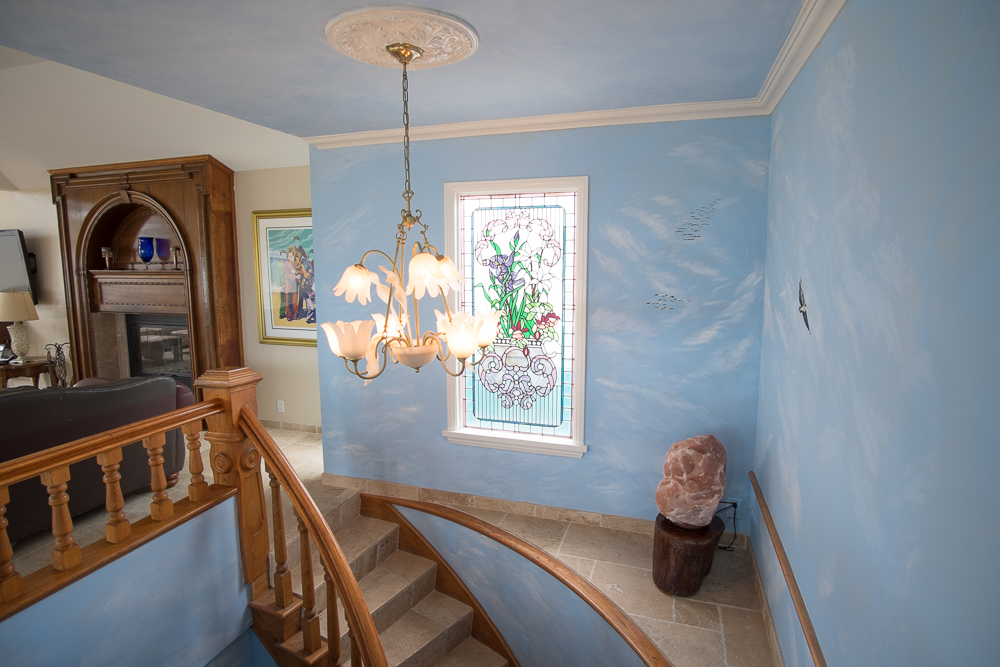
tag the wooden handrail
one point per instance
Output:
(598, 601)
(364, 634)
(33, 465)
(786, 569)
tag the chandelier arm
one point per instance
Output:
(381, 369)
(376, 251)
(447, 370)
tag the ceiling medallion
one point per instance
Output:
(363, 34)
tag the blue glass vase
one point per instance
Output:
(146, 249)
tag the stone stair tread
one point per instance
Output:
(472, 653)
(414, 641)
(448, 612)
(359, 535)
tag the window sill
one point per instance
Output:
(533, 444)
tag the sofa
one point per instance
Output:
(37, 419)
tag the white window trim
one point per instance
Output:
(525, 442)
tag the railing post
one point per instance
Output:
(10, 580)
(162, 507)
(117, 529)
(282, 577)
(198, 487)
(67, 554)
(236, 462)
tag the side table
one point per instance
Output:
(33, 368)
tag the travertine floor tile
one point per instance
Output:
(489, 516)
(607, 544)
(685, 646)
(633, 590)
(746, 638)
(545, 534)
(583, 566)
(689, 612)
(730, 582)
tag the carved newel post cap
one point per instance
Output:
(231, 377)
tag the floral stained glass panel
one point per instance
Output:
(518, 254)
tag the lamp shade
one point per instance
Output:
(16, 307)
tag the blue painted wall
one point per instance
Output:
(545, 623)
(245, 651)
(877, 432)
(653, 376)
(178, 600)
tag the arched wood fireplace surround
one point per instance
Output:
(184, 202)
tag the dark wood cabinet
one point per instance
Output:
(185, 203)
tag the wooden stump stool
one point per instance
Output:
(682, 557)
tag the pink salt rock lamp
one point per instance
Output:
(694, 478)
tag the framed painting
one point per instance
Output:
(286, 299)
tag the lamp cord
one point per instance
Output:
(732, 506)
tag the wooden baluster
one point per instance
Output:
(282, 577)
(118, 529)
(355, 649)
(10, 580)
(198, 488)
(162, 507)
(332, 620)
(66, 555)
(310, 620)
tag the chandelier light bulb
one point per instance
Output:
(461, 332)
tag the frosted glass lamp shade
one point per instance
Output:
(353, 338)
(16, 307)
(426, 277)
(357, 282)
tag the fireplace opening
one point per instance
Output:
(159, 345)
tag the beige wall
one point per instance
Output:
(291, 373)
(33, 213)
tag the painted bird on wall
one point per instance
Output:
(803, 308)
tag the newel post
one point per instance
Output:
(236, 462)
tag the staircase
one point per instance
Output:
(419, 626)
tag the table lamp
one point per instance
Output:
(17, 307)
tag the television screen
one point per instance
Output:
(17, 269)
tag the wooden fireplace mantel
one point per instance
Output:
(188, 202)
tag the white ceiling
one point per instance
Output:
(53, 116)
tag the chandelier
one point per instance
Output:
(395, 334)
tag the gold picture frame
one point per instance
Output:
(283, 260)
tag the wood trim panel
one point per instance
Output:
(132, 166)
(43, 583)
(448, 581)
(598, 601)
(812, 641)
(139, 292)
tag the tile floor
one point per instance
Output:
(722, 625)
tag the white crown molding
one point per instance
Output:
(567, 121)
(812, 24)
(814, 21)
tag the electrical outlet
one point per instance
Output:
(730, 510)
(281, 406)
(376, 468)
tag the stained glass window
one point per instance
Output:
(520, 253)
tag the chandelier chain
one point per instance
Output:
(408, 193)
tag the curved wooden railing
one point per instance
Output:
(598, 601)
(812, 641)
(52, 467)
(365, 642)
